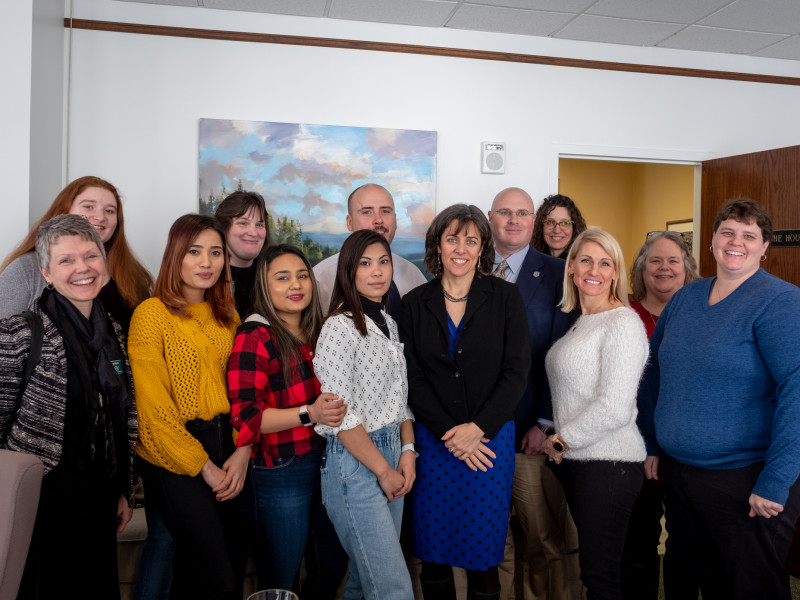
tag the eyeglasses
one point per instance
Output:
(562, 224)
(506, 213)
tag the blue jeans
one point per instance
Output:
(154, 574)
(284, 504)
(368, 525)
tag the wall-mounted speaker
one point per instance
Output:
(493, 157)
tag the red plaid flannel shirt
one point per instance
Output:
(256, 382)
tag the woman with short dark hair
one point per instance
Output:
(558, 222)
(722, 401)
(466, 343)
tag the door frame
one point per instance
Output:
(671, 156)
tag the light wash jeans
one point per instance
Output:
(368, 525)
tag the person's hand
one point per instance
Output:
(764, 508)
(235, 470)
(327, 410)
(407, 467)
(651, 467)
(532, 441)
(462, 440)
(481, 458)
(124, 513)
(391, 483)
(550, 451)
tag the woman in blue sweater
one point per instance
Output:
(727, 416)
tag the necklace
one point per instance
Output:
(453, 298)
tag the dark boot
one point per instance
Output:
(444, 589)
(473, 595)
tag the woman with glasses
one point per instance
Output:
(558, 222)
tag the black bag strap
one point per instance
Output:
(35, 353)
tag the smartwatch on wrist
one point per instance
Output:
(305, 418)
(412, 446)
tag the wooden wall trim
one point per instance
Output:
(294, 40)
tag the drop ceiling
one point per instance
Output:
(765, 28)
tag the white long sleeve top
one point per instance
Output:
(594, 373)
(368, 373)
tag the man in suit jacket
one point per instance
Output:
(549, 539)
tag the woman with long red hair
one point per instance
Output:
(99, 202)
(179, 345)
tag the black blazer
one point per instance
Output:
(541, 282)
(486, 380)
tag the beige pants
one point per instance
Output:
(544, 543)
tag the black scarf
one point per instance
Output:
(101, 369)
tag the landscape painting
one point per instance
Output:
(306, 172)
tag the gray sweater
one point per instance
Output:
(21, 283)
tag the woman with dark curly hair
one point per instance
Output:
(558, 222)
(467, 349)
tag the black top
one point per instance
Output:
(487, 377)
(243, 280)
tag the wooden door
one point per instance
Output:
(772, 178)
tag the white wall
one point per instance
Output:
(136, 101)
(15, 111)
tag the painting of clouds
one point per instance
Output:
(306, 172)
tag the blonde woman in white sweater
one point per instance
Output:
(594, 373)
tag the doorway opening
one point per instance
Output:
(631, 198)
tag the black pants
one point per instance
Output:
(713, 542)
(73, 550)
(601, 495)
(641, 564)
(210, 541)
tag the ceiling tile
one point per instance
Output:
(777, 16)
(507, 20)
(570, 6)
(657, 10)
(788, 48)
(617, 31)
(166, 2)
(302, 8)
(427, 13)
(712, 39)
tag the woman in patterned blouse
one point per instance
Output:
(276, 400)
(370, 461)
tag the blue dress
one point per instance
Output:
(460, 516)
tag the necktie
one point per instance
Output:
(500, 271)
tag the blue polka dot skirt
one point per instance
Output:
(461, 516)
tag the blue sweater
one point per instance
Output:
(724, 388)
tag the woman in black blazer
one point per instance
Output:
(468, 357)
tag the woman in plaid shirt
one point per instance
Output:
(275, 401)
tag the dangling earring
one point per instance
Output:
(763, 258)
(711, 248)
(49, 285)
(439, 259)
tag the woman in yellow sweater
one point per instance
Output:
(179, 345)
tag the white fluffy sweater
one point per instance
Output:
(594, 373)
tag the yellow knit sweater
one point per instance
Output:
(178, 366)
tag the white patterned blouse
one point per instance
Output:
(368, 373)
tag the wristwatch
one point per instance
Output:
(559, 445)
(545, 429)
(305, 418)
(412, 446)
